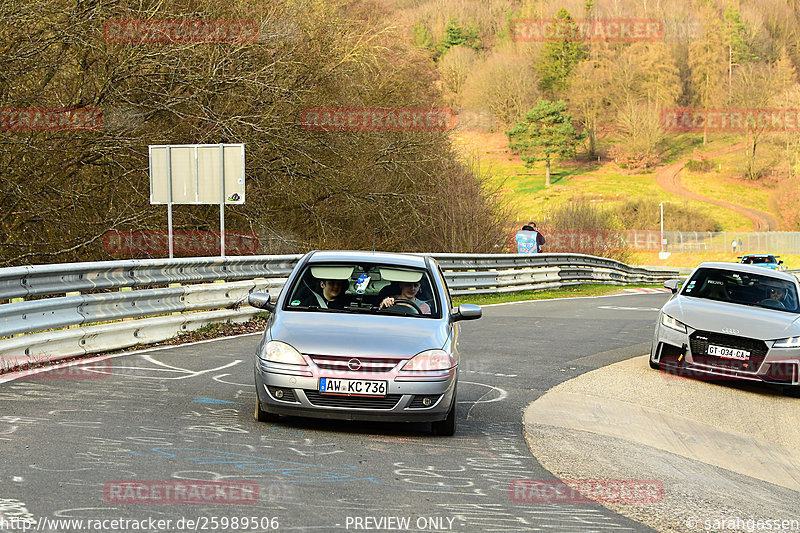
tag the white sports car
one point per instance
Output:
(731, 321)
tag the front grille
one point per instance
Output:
(368, 364)
(352, 402)
(699, 341)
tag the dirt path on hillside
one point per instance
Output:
(669, 179)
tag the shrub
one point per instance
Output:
(699, 165)
(581, 226)
(630, 159)
(646, 214)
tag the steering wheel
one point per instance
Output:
(405, 306)
(776, 304)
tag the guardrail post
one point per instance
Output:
(74, 293)
(12, 301)
(175, 285)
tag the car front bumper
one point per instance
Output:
(672, 351)
(300, 396)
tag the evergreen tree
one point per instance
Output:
(456, 35)
(453, 36)
(560, 55)
(545, 132)
(738, 49)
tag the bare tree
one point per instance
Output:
(64, 189)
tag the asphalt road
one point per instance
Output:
(69, 439)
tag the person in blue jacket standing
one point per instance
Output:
(529, 240)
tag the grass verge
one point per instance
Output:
(573, 291)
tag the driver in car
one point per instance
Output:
(408, 291)
(776, 293)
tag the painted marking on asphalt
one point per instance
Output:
(186, 373)
(17, 375)
(215, 401)
(218, 379)
(502, 396)
(620, 308)
(489, 374)
(648, 290)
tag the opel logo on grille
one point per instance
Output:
(730, 330)
(354, 364)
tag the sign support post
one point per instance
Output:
(169, 204)
(222, 200)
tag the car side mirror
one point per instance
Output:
(466, 312)
(673, 285)
(261, 300)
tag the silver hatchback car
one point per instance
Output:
(731, 321)
(361, 336)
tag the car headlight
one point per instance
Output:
(671, 323)
(429, 361)
(789, 342)
(280, 352)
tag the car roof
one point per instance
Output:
(752, 269)
(759, 255)
(409, 260)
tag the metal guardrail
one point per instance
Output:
(43, 280)
(97, 305)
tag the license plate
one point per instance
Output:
(352, 387)
(728, 353)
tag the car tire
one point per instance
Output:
(446, 427)
(263, 416)
(793, 392)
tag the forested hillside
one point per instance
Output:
(710, 54)
(627, 95)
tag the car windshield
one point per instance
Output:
(754, 260)
(743, 288)
(364, 288)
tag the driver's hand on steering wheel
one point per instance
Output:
(389, 302)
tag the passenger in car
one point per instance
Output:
(332, 296)
(408, 291)
(715, 289)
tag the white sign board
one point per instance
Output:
(195, 172)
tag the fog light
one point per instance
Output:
(427, 402)
(279, 393)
